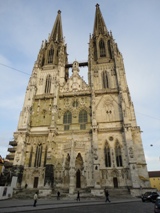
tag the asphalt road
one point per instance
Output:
(132, 207)
(124, 207)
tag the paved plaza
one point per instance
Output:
(133, 205)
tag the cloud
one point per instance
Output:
(153, 161)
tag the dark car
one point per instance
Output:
(157, 205)
(150, 196)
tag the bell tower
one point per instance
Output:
(113, 118)
(103, 52)
(53, 52)
(39, 111)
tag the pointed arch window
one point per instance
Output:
(43, 60)
(118, 155)
(48, 84)
(95, 50)
(38, 156)
(67, 162)
(105, 79)
(67, 120)
(50, 55)
(45, 156)
(102, 48)
(83, 119)
(79, 161)
(75, 103)
(109, 48)
(107, 155)
(30, 158)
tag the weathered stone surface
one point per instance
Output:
(77, 135)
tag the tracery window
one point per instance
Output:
(109, 48)
(118, 155)
(79, 161)
(95, 50)
(102, 48)
(83, 119)
(48, 84)
(67, 120)
(67, 162)
(38, 156)
(43, 61)
(107, 155)
(75, 103)
(30, 158)
(45, 156)
(105, 79)
(50, 55)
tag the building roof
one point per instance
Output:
(154, 174)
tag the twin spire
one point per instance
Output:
(99, 26)
(57, 32)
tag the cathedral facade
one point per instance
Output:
(72, 134)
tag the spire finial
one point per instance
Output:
(99, 24)
(57, 33)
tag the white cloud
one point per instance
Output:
(152, 162)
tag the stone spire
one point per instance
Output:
(57, 33)
(99, 24)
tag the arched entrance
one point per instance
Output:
(78, 179)
(79, 167)
(115, 182)
(35, 184)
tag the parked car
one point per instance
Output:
(157, 205)
(150, 196)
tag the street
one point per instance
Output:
(122, 207)
(132, 207)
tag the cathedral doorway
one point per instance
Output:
(35, 184)
(78, 179)
(115, 182)
(79, 167)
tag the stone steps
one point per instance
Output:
(119, 193)
(64, 193)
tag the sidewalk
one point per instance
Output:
(17, 205)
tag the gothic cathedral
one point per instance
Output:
(72, 134)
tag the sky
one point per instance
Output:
(135, 27)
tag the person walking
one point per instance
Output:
(107, 195)
(58, 195)
(78, 196)
(35, 199)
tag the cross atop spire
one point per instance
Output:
(57, 33)
(99, 24)
(97, 5)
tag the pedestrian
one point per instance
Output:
(78, 196)
(35, 199)
(58, 195)
(107, 195)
